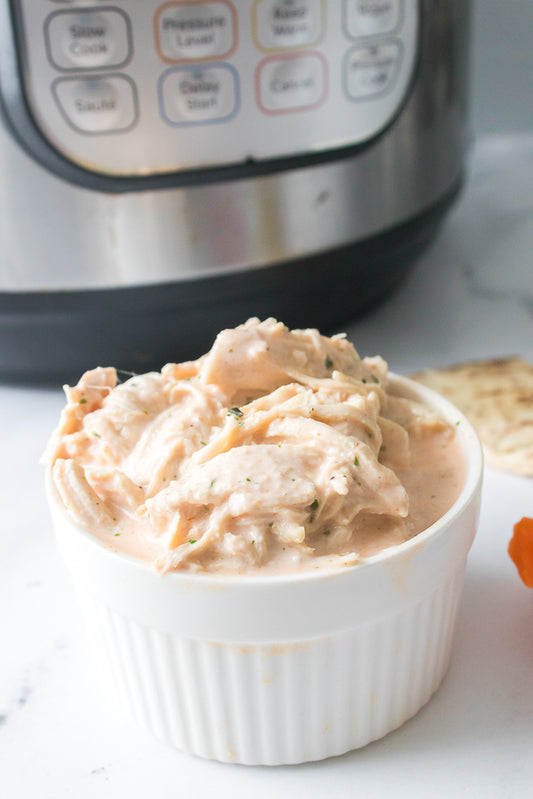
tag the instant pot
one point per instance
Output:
(171, 168)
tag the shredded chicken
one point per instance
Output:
(277, 450)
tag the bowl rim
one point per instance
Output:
(473, 456)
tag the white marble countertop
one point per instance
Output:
(470, 296)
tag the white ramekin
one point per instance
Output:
(280, 669)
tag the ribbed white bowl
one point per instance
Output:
(284, 669)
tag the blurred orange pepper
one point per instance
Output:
(521, 549)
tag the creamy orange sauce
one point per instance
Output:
(277, 451)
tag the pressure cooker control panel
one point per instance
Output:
(141, 87)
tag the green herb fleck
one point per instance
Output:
(145, 411)
(356, 461)
(374, 379)
(383, 448)
(248, 480)
(83, 401)
(314, 504)
(202, 443)
(97, 435)
(192, 540)
(117, 533)
(458, 422)
(235, 412)
(212, 483)
(329, 363)
(271, 524)
(327, 532)
(363, 380)
(205, 507)
(253, 540)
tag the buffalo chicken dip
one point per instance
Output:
(279, 450)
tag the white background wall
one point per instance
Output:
(502, 66)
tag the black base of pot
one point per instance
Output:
(52, 337)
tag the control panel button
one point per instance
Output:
(371, 17)
(370, 71)
(88, 40)
(199, 96)
(97, 105)
(213, 82)
(288, 23)
(186, 31)
(291, 83)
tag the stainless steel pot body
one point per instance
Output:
(56, 235)
(197, 226)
